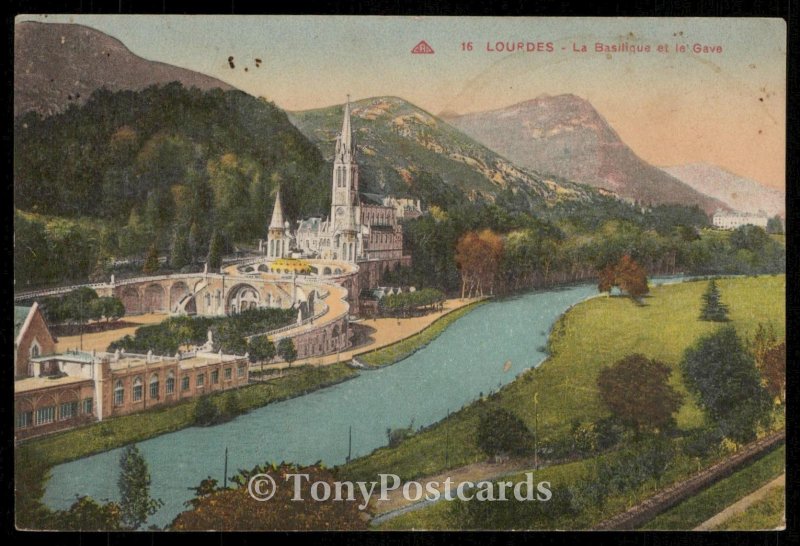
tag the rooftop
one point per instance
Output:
(34, 383)
(20, 314)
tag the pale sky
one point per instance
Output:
(725, 108)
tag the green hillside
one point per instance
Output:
(168, 154)
(406, 151)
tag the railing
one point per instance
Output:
(324, 309)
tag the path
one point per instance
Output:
(386, 331)
(100, 341)
(397, 504)
(741, 505)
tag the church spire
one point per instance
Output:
(277, 213)
(344, 143)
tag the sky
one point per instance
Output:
(722, 106)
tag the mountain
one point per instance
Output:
(565, 136)
(406, 151)
(57, 64)
(735, 191)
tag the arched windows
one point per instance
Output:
(119, 393)
(154, 387)
(137, 389)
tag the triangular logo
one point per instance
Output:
(422, 47)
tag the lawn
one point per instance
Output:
(406, 347)
(697, 509)
(764, 514)
(593, 334)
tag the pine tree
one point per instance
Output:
(181, 255)
(713, 308)
(151, 262)
(215, 252)
(134, 489)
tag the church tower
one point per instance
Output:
(345, 207)
(277, 241)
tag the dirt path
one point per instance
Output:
(741, 505)
(474, 472)
(99, 341)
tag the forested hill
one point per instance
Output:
(167, 160)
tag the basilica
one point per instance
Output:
(360, 228)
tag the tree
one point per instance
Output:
(214, 258)
(627, 275)
(287, 351)
(261, 348)
(723, 376)
(86, 514)
(775, 225)
(713, 308)
(502, 432)
(109, 307)
(134, 489)
(636, 390)
(181, 251)
(235, 510)
(151, 262)
(478, 257)
(773, 370)
(205, 411)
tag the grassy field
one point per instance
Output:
(590, 336)
(694, 511)
(120, 431)
(406, 347)
(765, 514)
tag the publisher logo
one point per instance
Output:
(422, 48)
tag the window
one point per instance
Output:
(45, 415)
(154, 387)
(185, 383)
(240, 371)
(34, 350)
(24, 419)
(170, 383)
(201, 378)
(228, 373)
(137, 389)
(68, 410)
(215, 377)
(88, 405)
(119, 394)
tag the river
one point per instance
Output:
(465, 360)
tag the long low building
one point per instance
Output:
(65, 390)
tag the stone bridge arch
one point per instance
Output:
(177, 293)
(154, 298)
(132, 300)
(241, 297)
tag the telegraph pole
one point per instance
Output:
(350, 444)
(536, 430)
(225, 475)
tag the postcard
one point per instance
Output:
(399, 273)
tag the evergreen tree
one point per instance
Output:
(151, 262)
(134, 489)
(215, 252)
(713, 308)
(181, 253)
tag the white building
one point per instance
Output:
(733, 219)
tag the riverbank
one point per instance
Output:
(591, 335)
(405, 347)
(120, 431)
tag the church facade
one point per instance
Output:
(358, 230)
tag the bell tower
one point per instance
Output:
(345, 207)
